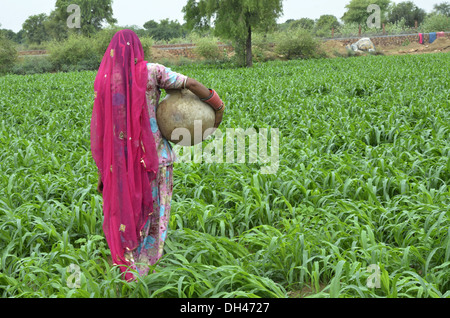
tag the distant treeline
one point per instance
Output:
(255, 35)
(41, 28)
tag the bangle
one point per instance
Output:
(214, 101)
(209, 97)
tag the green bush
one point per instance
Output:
(8, 55)
(208, 49)
(85, 53)
(102, 40)
(295, 44)
(147, 44)
(261, 40)
(397, 27)
(33, 65)
(436, 23)
(75, 50)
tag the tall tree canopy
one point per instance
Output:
(34, 28)
(18, 37)
(302, 23)
(442, 8)
(164, 30)
(234, 19)
(93, 14)
(407, 10)
(325, 24)
(357, 10)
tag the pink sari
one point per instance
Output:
(123, 146)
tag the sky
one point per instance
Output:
(136, 12)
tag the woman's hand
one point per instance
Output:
(219, 117)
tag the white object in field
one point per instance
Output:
(364, 44)
(184, 119)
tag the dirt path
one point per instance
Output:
(335, 48)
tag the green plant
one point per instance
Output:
(436, 23)
(235, 21)
(101, 39)
(296, 44)
(363, 182)
(8, 54)
(75, 50)
(208, 49)
(397, 27)
(33, 65)
(147, 44)
(261, 40)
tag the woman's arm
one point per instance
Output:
(197, 88)
(203, 92)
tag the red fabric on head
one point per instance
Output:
(122, 144)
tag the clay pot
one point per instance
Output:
(184, 119)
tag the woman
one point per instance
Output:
(135, 162)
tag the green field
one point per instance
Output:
(363, 182)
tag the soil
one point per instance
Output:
(439, 45)
(334, 48)
(158, 55)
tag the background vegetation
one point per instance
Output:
(364, 165)
(81, 49)
(363, 179)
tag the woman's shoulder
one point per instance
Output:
(151, 65)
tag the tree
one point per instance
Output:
(93, 14)
(296, 43)
(285, 25)
(164, 30)
(151, 25)
(325, 24)
(34, 28)
(407, 10)
(13, 36)
(442, 8)
(56, 26)
(291, 24)
(8, 54)
(357, 10)
(303, 23)
(436, 23)
(234, 19)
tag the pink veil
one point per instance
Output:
(122, 144)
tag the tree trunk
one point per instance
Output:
(248, 48)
